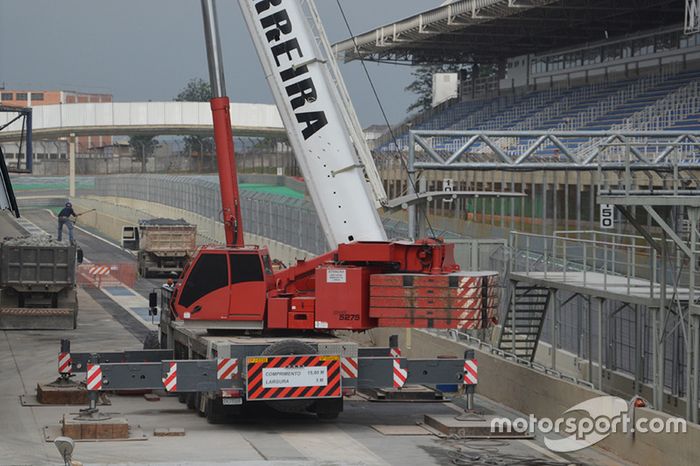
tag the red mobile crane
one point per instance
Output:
(322, 128)
(274, 337)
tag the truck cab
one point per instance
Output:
(225, 285)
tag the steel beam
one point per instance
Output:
(669, 231)
(571, 160)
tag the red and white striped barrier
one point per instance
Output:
(170, 380)
(99, 270)
(226, 368)
(349, 368)
(94, 377)
(470, 372)
(65, 363)
(400, 375)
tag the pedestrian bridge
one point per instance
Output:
(131, 118)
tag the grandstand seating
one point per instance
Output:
(665, 101)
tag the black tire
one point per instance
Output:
(289, 347)
(328, 416)
(198, 404)
(190, 400)
(182, 397)
(151, 341)
(328, 409)
(214, 411)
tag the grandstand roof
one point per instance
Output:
(486, 31)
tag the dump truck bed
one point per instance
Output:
(164, 235)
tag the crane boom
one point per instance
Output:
(320, 121)
(223, 137)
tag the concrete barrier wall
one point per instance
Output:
(532, 392)
(113, 213)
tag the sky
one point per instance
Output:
(141, 50)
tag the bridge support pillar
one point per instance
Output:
(71, 166)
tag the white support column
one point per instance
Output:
(71, 165)
(600, 344)
(692, 17)
(693, 359)
(554, 309)
(658, 355)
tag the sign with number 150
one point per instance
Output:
(607, 216)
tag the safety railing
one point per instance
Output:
(612, 262)
(481, 254)
(481, 345)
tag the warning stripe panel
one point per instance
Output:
(471, 372)
(349, 367)
(434, 323)
(467, 302)
(455, 280)
(422, 313)
(100, 270)
(297, 377)
(426, 292)
(94, 377)
(65, 363)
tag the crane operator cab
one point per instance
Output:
(228, 285)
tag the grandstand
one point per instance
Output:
(618, 66)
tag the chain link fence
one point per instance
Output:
(280, 218)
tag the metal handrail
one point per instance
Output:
(597, 255)
(481, 345)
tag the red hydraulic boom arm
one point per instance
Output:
(223, 137)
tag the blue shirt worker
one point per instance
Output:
(64, 218)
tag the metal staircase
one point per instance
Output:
(531, 303)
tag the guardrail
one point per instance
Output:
(591, 259)
(481, 345)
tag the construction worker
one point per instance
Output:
(64, 218)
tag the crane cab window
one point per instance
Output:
(208, 274)
(245, 268)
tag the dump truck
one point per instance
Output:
(164, 245)
(37, 284)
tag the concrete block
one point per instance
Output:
(120, 430)
(88, 430)
(70, 428)
(114, 428)
(104, 431)
(61, 395)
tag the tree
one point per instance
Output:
(422, 85)
(143, 145)
(196, 90)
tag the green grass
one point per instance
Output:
(276, 190)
